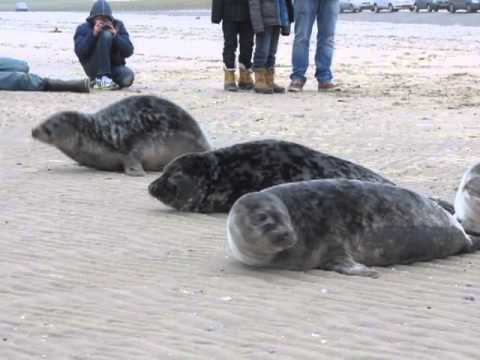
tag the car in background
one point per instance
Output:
(468, 5)
(439, 5)
(393, 5)
(367, 5)
(21, 6)
(423, 5)
(351, 6)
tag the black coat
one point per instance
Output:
(265, 13)
(230, 10)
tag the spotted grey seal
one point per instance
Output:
(467, 200)
(133, 134)
(341, 225)
(212, 181)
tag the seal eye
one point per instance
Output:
(259, 218)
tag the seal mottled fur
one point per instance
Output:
(133, 134)
(212, 181)
(467, 200)
(341, 225)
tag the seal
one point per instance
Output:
(341, 225)
(467, 200)
(212, 181)
(133, 134)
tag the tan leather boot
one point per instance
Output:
(261, 85)
(277, 89)
(230, 83)
(245, 81)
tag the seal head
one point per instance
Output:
(467, 201)
(59, 128)
(259, 227)
(184, 182)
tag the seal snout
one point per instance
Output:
(35, 133)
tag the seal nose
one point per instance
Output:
(35, 133)
(152, 189)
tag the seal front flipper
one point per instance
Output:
(132, 166)
(350, 267)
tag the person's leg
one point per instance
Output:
(230, 34)
(245, 58)
(273, 47)
(263, 43)
(305, 14)
(230, 43)
(326, 22)
(99, 64)
(13, 65)
(246, 44)
(122, 76)
(271, 60)
(21, 81)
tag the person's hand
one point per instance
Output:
(110, 27)
(98, 27)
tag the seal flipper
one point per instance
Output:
(350, 267)
(444, 204)
(132, 166)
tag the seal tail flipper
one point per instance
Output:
(444, 204)
(475, 246)
(350, 267)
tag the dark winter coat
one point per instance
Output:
(85, 40)
(230, 10)
(265, 13)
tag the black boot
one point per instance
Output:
(81, 86)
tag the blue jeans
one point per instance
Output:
(266, 45)
(100, 63)
(14, 75)
(306, 12)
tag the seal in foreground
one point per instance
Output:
(212, 181)
(133, 134)
(341, 225)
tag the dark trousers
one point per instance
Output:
(100, 62)
(244, 32)
(266, 45)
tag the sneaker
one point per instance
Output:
(296, 85)
(327, 86)
(104, 83)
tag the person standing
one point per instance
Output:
(270, 18)
(15, 76)
(325, 12)
(102, 44)
(236, 27)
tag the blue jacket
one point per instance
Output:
(85, 41)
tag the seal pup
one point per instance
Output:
(212, 181)
(133, 134)
(467, 200)
(341, 225)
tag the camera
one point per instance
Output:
(106, 27)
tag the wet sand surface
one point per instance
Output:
(93, 268)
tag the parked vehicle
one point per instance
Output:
(393, 5)
(468, 5)
(422, 5)
(439, 4)
(351, 6)
(367, 5)
(21, 6)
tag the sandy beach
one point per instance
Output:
(93, 268)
